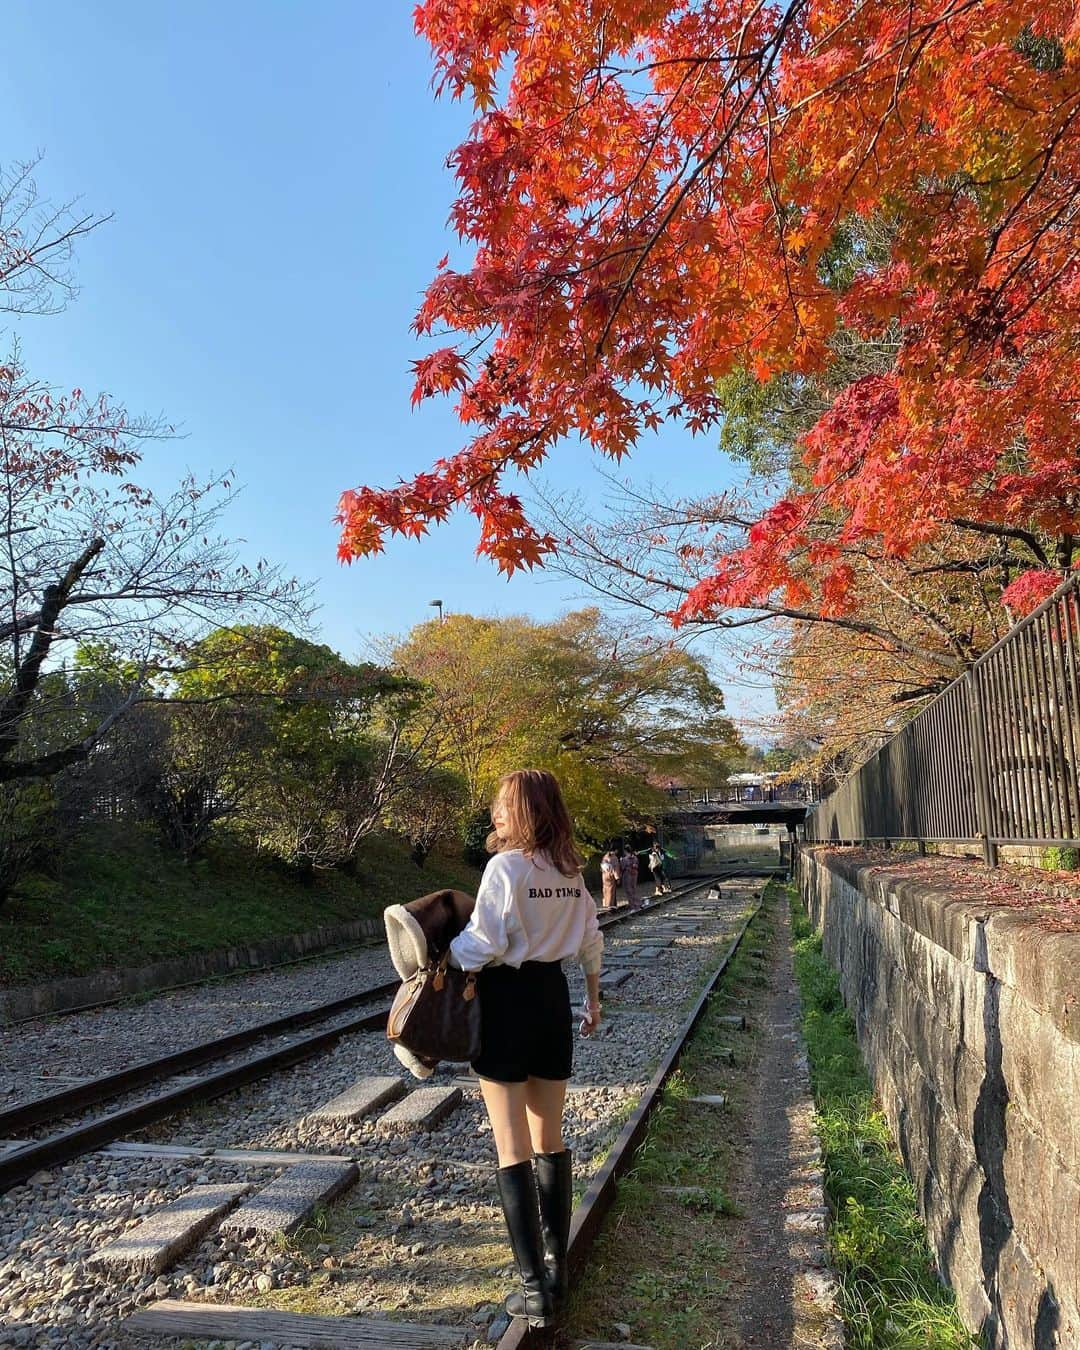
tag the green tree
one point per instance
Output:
(431, 810)
(614, 714)
(329, 754)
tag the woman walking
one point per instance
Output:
(656, 866)
(532, 912)
(609, 877)
(628, 873)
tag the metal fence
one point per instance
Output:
(993, 759)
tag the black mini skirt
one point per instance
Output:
(526, 1027)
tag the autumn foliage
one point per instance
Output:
(652, 191)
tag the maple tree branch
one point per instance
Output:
(773, 47)
(1046, 155)
(850, 625)
(922, 612)
(1004, 532)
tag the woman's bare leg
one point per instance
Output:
(505, 1103)
(544, 1099)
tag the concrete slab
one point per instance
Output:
(284, 1203)
(365, 1095)
(735, 1020)
(160, 1240)
(252, 1157)
(473, 1084)
(224, 1321)
(612, 979)
(709, 1099)
(422, 1109)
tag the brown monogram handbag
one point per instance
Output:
(436, 1013)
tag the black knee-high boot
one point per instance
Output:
(517, 1191)
(554, 1179)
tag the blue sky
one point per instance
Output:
(276, 174)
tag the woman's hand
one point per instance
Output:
(590, 1021)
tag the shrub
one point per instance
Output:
(1060, 859)
(474, 838)
(27, 824)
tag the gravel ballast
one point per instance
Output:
(419, 1236)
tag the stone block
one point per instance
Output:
(978, 1080)
(160, 1240)
(1036, 1064)
(284, 1203)
(736, 1021)
(422, 1109)
(1041, 965)
(1044, 1200)
(974, 1011)
(709, 1099)
(365, 1095)
(805, 1222)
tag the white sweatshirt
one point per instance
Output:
(527, 910)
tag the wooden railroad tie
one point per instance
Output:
(225, 1321)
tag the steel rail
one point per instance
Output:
(56, 1105)
(594, 1204)
(20, 1163)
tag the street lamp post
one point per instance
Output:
(436, 604)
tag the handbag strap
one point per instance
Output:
(439, 978)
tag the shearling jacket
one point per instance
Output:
(417, 933)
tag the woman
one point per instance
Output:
(609, 877)
(532, 912)
(656, 866)
(628, 873)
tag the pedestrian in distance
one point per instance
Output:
(628, 875)
(609, 876)
(659, 876)
(533, 911)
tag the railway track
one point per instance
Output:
(25, 1159)
(589, 1213)
(335, 1327)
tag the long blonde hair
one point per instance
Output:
(537, 818)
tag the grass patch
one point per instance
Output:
(659, 1264)
(890, 1295)
(119, 897)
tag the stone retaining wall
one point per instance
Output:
(80, 991)
(969, 1021)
